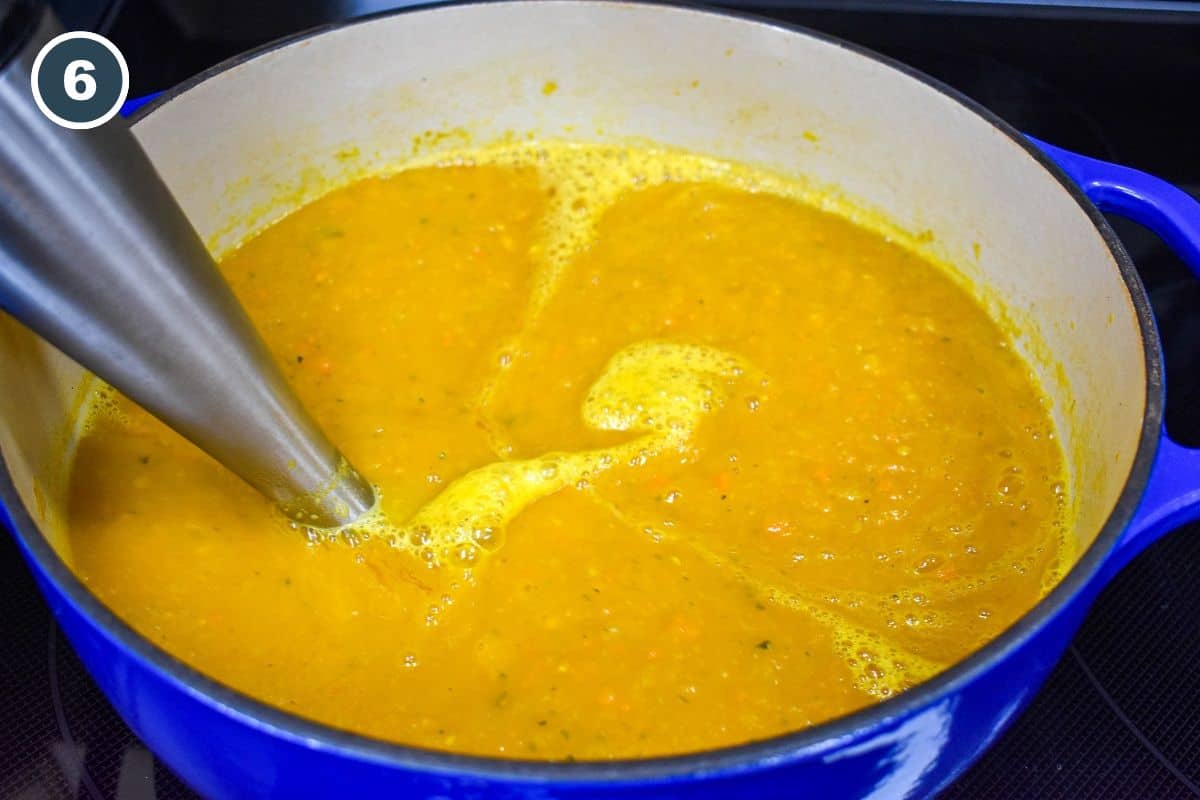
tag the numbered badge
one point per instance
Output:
(80, 79)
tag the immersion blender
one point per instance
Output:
(97, 257)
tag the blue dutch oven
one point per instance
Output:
(1021, 218)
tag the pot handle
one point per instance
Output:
(1172, 496)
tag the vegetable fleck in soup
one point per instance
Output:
(674, 456)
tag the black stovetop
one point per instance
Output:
(1120, 717)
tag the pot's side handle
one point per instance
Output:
(1172, 496)
(1172, 499)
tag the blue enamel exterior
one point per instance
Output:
(227, 746)
(133, 105)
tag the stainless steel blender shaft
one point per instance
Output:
(98, 258)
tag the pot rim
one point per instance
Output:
(721, 761)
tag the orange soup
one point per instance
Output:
(674, 455)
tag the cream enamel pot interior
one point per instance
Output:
(234, 142)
